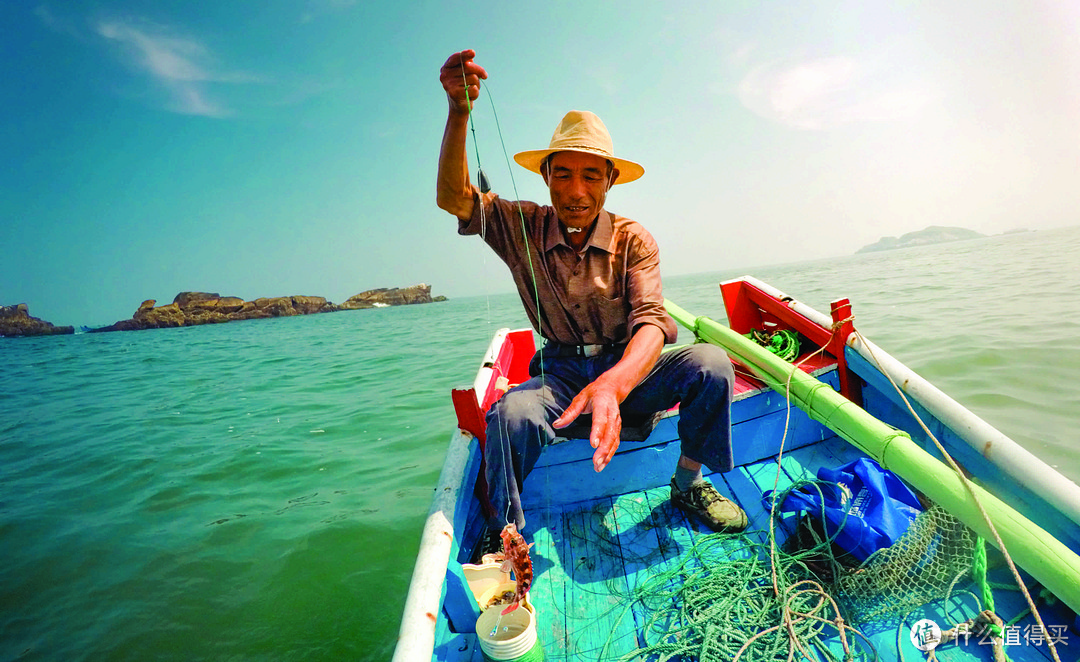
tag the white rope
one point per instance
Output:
(971, 490)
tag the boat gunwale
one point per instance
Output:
(1008, 456)
(423, 603)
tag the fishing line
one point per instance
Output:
(521, 216)
(525, 237)
(532, 268)
(481, 179)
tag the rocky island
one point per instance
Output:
(935, 234)
(195, 308)
(16, 321)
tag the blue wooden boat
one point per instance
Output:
(620, 574)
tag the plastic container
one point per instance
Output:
(485, 598)
(483, 578)
(509, 638)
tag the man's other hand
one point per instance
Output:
(601, 399)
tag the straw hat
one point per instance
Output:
(581, 131)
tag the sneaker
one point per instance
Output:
(715, 511)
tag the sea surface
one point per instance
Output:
(256, 490)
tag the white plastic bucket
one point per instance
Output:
(514, 634)
(483, 580)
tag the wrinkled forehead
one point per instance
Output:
(579, 161)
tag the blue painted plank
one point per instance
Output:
(642, 532)
(548, 592)
(459, 604)
(596, 618)
(574, 450)
(577, 482)
(458, 648)
(647, 466)
(885, 637)
(764, 476)
(600, 551)
(767, 401)
(760, 438)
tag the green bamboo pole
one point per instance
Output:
(1048, 560)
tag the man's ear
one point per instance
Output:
(613, 178)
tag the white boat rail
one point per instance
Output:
(416, 638)
(1010, 457)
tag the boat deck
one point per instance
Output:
(590, 556)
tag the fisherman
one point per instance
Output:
(590, 284)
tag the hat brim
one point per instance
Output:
(628, 170)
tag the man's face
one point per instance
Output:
(579, 184)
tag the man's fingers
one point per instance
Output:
(462, 64)
(456, 59)
(572, 411)
(604, 437)
(605, 452)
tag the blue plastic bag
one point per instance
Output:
(865, 507)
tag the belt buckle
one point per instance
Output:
(592, 350)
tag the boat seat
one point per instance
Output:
(633, 429)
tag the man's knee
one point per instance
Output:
(517, 408)
(711, 362)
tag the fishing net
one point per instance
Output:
(742, 598)
(920, 567)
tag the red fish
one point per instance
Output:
(516, 555)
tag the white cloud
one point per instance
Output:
(829, 91)
(184, 67)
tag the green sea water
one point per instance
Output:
(256, 491)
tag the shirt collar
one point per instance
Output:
(602, 234)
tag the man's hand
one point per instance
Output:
(460, 77)
(600, 398)
(603, 397)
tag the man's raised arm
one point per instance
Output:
(460, 77)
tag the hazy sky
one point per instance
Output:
(289, 147)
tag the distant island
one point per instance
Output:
(15, 321)
(195, 308)
(935, 234)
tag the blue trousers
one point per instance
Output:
(699, 378)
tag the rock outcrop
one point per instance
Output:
(935, 234)
(16, 321)
(383, 297)
(194, 308)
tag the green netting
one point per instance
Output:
(720, 600)
(921, 567)
(781, 342)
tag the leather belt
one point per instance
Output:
(557, 349)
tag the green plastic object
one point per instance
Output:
(1048, 560)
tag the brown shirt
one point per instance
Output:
(598, 297)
